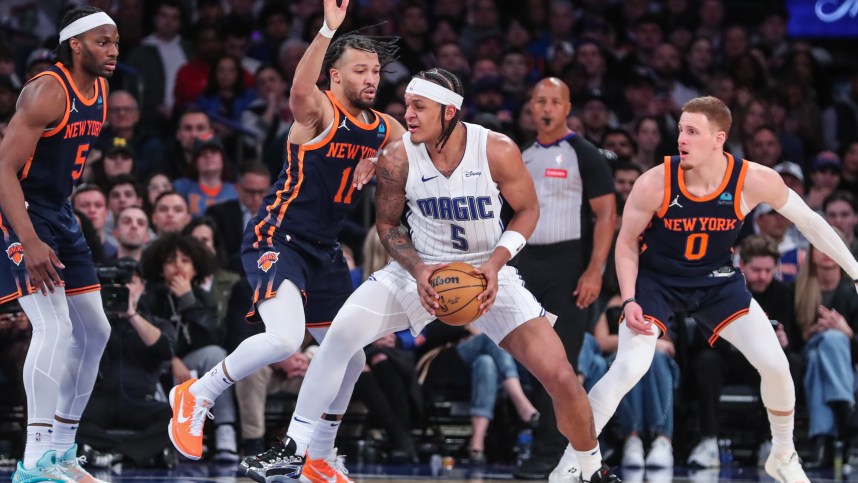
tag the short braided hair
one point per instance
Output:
(447, 79)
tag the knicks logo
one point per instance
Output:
(15, 252)
(267, 260)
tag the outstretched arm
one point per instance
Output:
(308, 104)
(41, 104)
(764, 185)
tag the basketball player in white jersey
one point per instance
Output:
(447, 178)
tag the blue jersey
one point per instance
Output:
(50, 174)
(690, 240)
(314, 192)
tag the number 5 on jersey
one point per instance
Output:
(457, 234)
(80, 160)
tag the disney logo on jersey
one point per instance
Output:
(15, 252)
(267, 260)
(350, 151)
(462, 208)
(468, 174)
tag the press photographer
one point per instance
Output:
(139, 348)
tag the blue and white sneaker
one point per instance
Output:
(46, 469)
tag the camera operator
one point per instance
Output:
(139, 348)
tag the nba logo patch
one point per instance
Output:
(15, 252)
(267, 260)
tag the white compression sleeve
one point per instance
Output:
(819, 233)
(90, 332)
(46, 357)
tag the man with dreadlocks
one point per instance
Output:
(290, 251)
(48, 266)
(451, 180)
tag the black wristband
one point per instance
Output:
(626, 302)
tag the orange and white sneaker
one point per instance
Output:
(189, 416)
(326, 470)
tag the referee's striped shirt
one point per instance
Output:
(567, 174)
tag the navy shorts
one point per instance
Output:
(713, 306)
(319, 271)
(60, 230)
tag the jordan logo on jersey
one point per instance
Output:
(15, 252)
(73, 107)
(675, 202)
(343, 125)
(267, 260)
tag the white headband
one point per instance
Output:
(431, 90)
(85, 24)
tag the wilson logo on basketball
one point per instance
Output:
(15, 252)
(267, 260)
(442, 280)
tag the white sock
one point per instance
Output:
(782, 430)
(301, 431)
(213, 383)
(63, 438)
(39, 442)
(323, 439)
(590, 461)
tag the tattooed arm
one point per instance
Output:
(392, 174)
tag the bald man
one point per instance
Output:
(563, 261)
(123, 115)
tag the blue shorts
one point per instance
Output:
(319, 271)
(60, 230)
(713, 306)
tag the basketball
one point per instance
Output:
(458, 288)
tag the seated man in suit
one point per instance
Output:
(254, 181)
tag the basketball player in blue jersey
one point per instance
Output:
(450, 180)
(290, 252)
(47, 264)
(673, 254)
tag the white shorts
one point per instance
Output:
(514, 304)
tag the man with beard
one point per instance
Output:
(48, 266)
(290, 251)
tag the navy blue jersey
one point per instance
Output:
(690, 240)
(314, 191)
(49, 176)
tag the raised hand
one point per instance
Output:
(334, 15)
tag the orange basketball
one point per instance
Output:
(458, 288)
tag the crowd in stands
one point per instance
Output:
(197, 121)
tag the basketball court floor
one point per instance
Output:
(188, 472)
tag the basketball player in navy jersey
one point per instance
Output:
(450, 180)
(290, 251)
(47, 264)
(673, 254)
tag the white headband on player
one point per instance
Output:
(85, 24)
(433, 91)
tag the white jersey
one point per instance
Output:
(455, 219)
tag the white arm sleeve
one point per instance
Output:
(819, 233)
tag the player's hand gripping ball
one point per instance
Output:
(458, 288)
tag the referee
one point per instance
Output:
(563, 261)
